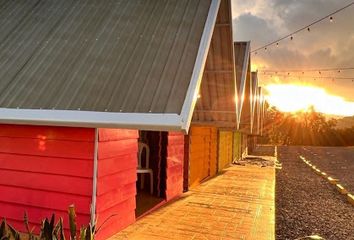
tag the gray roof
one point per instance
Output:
(242, 66)
(216, 104)
(135, 56)
(254, 97)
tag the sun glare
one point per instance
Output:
(294, 98)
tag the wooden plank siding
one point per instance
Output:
(43, 170)
(202, 154)
(244, 142)
(116, 182)
(225, 149)
(175, 161)
(237, 147)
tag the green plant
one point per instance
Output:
(86, 233)
(7, 232)
(49, 230)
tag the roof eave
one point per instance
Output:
(91, 119)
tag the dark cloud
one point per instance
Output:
(249, 27)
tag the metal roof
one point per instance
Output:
(259, 109)
(243, 69)
(138, 57)
(254, 97)
(216, 104)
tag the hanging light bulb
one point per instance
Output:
(291, 38)
(277, 44)
(308, 29)
(331, 19)
(265, 49)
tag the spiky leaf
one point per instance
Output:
(72, 222)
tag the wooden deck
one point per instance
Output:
(238, 204)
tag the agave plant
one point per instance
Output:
(7, 232)
(86, 233)
(49, 230)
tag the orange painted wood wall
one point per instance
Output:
(43, 170)
(225, 149)
(202, 154)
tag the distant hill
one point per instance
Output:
(345, 122)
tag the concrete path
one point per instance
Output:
(238, 204)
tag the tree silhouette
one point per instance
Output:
(304, 128)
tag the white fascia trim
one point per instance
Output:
(91, 119)
(243, 80)
(197, 75)
(94, 180)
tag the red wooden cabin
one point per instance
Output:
(81, 83)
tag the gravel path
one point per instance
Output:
(337, 162)
(306, 204)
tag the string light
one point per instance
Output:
(307, 27)
(314, 77)
(319, 70)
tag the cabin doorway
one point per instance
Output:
(151, 172)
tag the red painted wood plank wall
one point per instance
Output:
(116, 183)
(43, 170)
(175, 159)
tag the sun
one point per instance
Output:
(294, 98)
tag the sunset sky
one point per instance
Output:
(327, 45)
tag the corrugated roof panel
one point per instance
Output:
(242, 66)
(246, 113)
(254, 97)
(259, 106)
(246, 103)
(240, 57)
(216, 104)
(116, 55)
